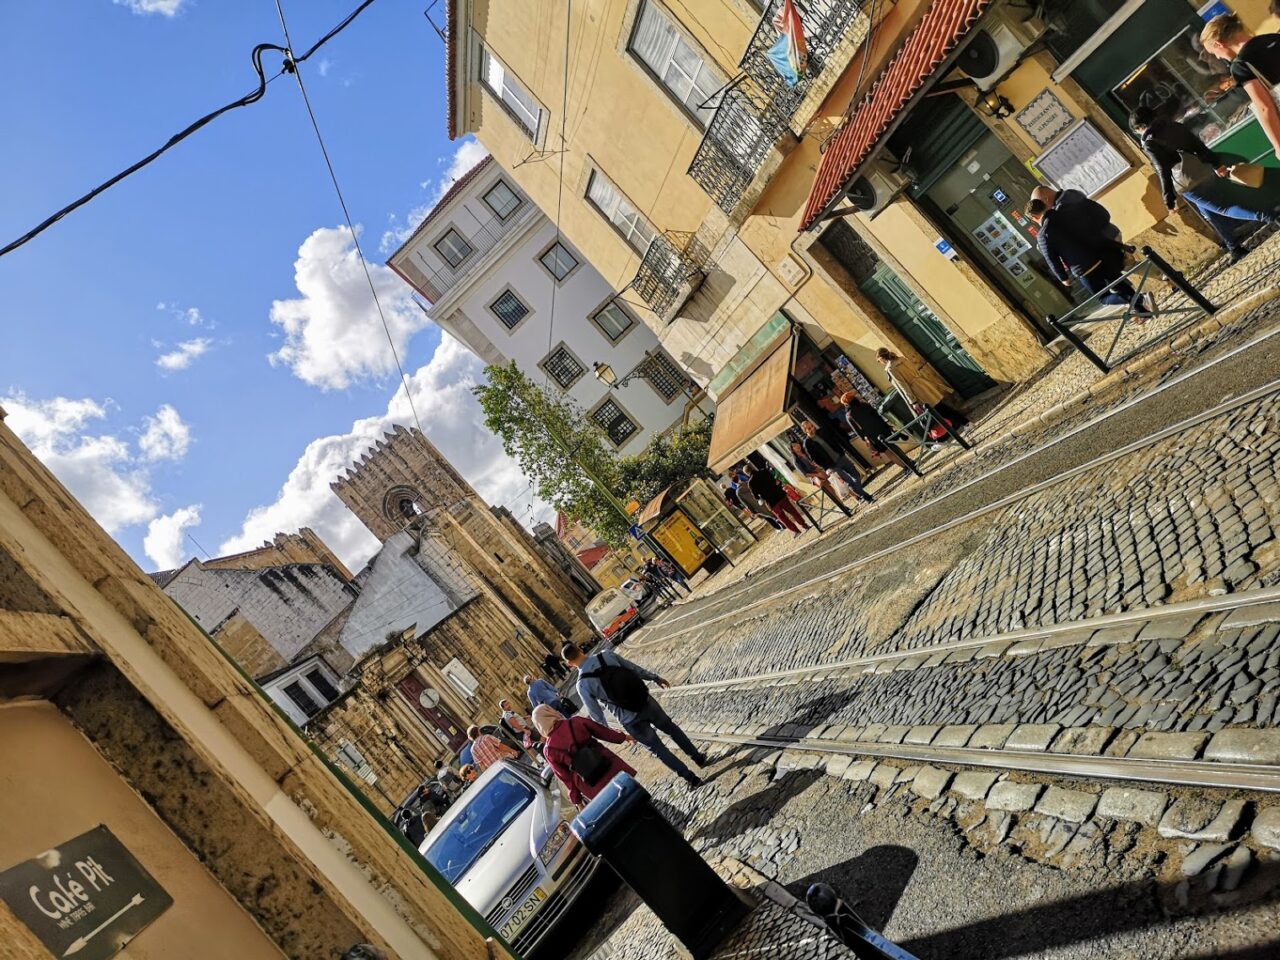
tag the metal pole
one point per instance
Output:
(1180, 281)
(1071, 338)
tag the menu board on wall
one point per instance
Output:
(1082, 159)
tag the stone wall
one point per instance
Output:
(305, 546)
(247, 647)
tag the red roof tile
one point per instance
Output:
(450, 63)
(593, 555)
(925, 50)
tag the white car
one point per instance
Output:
(505, 845)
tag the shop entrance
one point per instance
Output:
(972, 184)
(901, 307)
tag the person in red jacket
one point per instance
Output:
(574, 752)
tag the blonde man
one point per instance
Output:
(1254, 64)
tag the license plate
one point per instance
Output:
(522, 915)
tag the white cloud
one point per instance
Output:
(333, 334)
(184, 354)
(100, 471)
(451, 417)
(470, 152)
(166, 8)
(324, 66)
(166, 534)
(165, 436)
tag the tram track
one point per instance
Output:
(1240, 369)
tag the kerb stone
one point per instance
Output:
(1032, 736)
(991, 736)
(1266, 827)
(930, 782)
(1125, 803)
(859, 771)
(1013, 797)
(1168, 746)
(1074, 806)
(1199, 818)
(1244, 746)
(956, 735)
(974, 784)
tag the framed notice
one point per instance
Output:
(1082, 159)
(1044, 118)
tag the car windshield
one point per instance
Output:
(478, 826)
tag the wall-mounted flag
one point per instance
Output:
(789, 54)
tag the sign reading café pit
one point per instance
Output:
(86, 898)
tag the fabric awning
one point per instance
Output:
(754, 410)
(926, 49)
(653, 508)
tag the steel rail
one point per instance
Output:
(1258, 393)
(1200, 605)
(1187, 773)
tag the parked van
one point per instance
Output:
(613, 613)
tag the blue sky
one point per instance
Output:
(196, 350)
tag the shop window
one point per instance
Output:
(1180, 82)
(1073, 22)
(613, 420)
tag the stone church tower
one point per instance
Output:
(404, 482)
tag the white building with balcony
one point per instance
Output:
(487, 262)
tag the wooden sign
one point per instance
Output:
(86, 898)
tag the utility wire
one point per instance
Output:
(248, 99)
(564, 116)
(291, 66)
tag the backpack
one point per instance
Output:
(587, 760)
(623, 687)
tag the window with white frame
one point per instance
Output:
(617, 209)
(510, 93)
(502, 200)
(661, 46)
(510, 309)
(563, 367)
(664, 376)
(453, 247)
(612, 320)
(558, 260)
(613, 420)
(302, 699)
(323, 687)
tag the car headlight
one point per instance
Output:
(555, 843)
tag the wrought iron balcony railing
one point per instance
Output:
(756, 109)
(668, 276)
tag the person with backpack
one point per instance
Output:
(606, 678)
(572, 748)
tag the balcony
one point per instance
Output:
(756, 110)
(436, 277)
(669, 274)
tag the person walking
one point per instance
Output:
(539, 691)
(733, 495)
(553, 667)
(832, 462)
(517, 725)
(1254, 66)
(674, 574)
(916, 390)
(817, 476)
(769, 491)
(486, 749)
(865, 421)
(749, 498)
(656, 582)
(1078, 240)
(1216, 197)
(573, 751)
(606, 678)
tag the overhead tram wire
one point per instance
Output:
(291, 66)
(248, 99)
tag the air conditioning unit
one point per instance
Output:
(876, 188)
(995, 49)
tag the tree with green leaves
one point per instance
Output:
(559, 448)
(669, 459)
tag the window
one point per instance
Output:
(303, 700)
(510, 309)
(611, 418)
(513, 97)
(502, 200)
(612, 320)
(558, 261)
(506, 647)
(618, 210)
(563, 367)
(664, 376)
(323, 687)
(453, 247)
(661, 47)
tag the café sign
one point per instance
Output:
(85, 898)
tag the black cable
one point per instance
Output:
(246, 100)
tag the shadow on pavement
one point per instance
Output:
(1127, 908)
(759, 808)
(872, 883)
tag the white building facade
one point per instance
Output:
(488, 264)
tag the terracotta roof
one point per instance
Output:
(450, 62)
(925, 50)
(456, 188)
(593, 555)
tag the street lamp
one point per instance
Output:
(606, 375)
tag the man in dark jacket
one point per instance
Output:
(1077, 239)
(867, 424)
(826, 460)
(1219, 200)
(770, 492)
